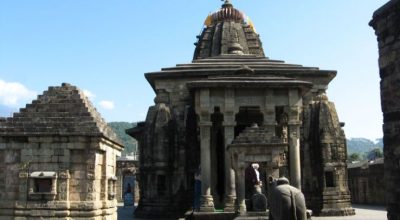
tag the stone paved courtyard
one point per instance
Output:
(363, 212)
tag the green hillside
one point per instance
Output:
(364, 149)
(362, 145)
(129, 142)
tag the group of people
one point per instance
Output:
(289, 202)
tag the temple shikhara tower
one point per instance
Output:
(233, 106)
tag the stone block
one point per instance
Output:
(64, 159)
(54, 159)
(79, 174)
(74, 196)
(12, 156)
(42, 213)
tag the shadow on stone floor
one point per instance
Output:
(369, 207)
(125, 212)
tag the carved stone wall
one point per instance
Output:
(165, 151)
(325, 173)
(386, 22)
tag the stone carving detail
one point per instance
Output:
(327, 136)
(283, 127)
(90, 188)
(63, 190)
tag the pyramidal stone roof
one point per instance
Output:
(255, 135)
(62, 110)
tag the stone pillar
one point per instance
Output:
(240, 180)
(386, 24)
(63, 185)
(230, 191)
(295, 102)
(294, 155)
(202, 106)
(90, 176)
(269, 112)
(23, 186)
(207, 204)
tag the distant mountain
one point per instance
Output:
(129, 142)
(362, 145)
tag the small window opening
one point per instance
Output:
(161, 184)
(329, 179)
(43, 185)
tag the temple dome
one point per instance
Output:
(228, 31)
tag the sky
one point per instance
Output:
(105, 47)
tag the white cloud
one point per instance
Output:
(12, 93)
(109, 105)
(89, 94)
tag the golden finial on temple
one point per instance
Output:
(227, 3)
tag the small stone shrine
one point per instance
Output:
(127, 182)
(203, 107)
(58, 160)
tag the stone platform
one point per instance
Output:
(210, 215)
(363, 212)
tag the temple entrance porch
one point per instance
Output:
(224, 113)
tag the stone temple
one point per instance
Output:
(233, 106)
(57, 160)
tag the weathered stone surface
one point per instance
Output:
(386, 22)
(325, 172)
(54, 150)
(62, 111)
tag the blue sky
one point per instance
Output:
(105, 47)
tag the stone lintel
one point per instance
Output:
(205, 123)
(229, 124)
(294, 123)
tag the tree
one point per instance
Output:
(374, 154)
(354, 157)
(129, 142)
